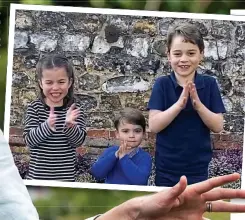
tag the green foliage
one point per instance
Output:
(3, 68)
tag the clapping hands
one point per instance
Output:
(189, 89)
(72, 115)
(52, 119)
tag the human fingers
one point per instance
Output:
(222, 206)
(172, 195)
(121, 147)
(76, 110)
(209, 184)
(73, 106)
(184, 101)
(221, 193)
(75, 114)
(51, 111)
(125, 144)
(185, 91)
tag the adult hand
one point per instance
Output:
(181, 202)
(190, 202)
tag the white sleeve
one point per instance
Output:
(15, 201)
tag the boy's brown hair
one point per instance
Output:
(132, 116)
(189, 32)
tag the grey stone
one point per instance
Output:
(89, 82)
(76, 42)
(110, 102)
(239, 86)
(47, 19)
(20, 40)
(84, 23)
(234, 67)
(23, 20)
(17, 117)
(225, 84)
(233, 123)
(137, 100)
(222, 48)
(96, 142)
(31, 61)
(240, 34)
(44, 42)
(100, 44)
(89, 102)
(202, 26)
(160, 47)
(123, 64)
(125, 84)
(27, 96)
(139, 47)
(164, 25)
(122, 22)
(221, 30)
(210, 50)
(20, 79)
(242, 103)
(227, 103)
(99, 120)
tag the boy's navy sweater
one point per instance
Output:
(132, 169)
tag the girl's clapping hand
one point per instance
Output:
(52, 119)
(71, 116)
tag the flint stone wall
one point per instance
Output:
(116, 60)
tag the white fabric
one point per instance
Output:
(15, 201)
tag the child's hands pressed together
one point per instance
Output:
(71, 116)
(122, 151)
(51, 119)
(181, 103)
(194, 96)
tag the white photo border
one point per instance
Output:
(14, 7)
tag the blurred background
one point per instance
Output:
(74, 204)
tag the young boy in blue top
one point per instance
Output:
(184, 106)
(128, 163)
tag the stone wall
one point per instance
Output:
(116, 60)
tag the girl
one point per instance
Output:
(54, 123)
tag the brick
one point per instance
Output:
(226, 137)
(82, 150)
(151, 135)
(98, 133)
(237, 145)
(215, 137)
(16, 140)
(112, 134)
(98, 142)
(15, 131)
(223, 145)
